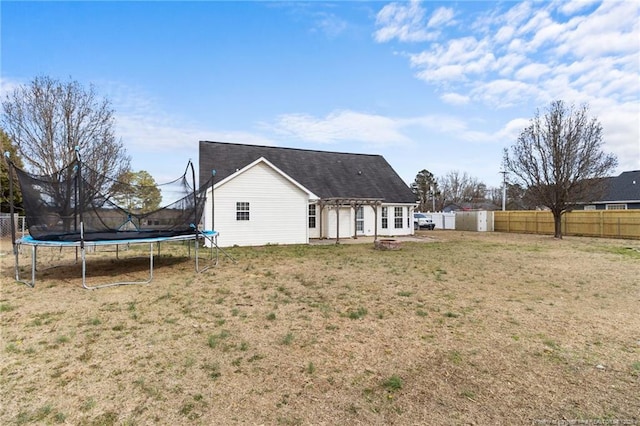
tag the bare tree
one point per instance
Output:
(558, 158)
(47, 119)
(425, 189)
(458, 188)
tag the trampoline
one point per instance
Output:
(34, 244)
(77, 207)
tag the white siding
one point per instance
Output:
(277, 208)
(347, 222)
(331, 222)
(407, 220)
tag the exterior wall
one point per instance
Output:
(278, 210)
(347, 222)
(391, 230)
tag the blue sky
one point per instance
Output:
(441, 86)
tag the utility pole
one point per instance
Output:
(504, 190)
(433, 199)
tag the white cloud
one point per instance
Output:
(8, 86)
(455, 99)
(504, 34)
(330, 25)
(505, 93)
(454, 60)
(611, 29)
(532, 72)
(443, 73)
(530, 53)
(540, 48)
(340, 126)
(506, 65)
(402, 21)
(510, 132)
(621, 130)
(141, 133)
(443, 16)
(573, 6)
(518, 14)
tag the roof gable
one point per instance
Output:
(326, 174)
(263, 160)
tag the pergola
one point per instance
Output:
(354, 203)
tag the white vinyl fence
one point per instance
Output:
(443, 220)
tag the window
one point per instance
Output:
(397, 217)
(385, 217)
(590, 207)
(360, 219)
(312, 215)
(242, 210)
(616, 206)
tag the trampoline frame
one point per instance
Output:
(212, 236)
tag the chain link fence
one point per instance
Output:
(5, 226)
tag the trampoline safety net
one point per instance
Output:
(80, 204)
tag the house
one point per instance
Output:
(620, 193)
(270, 195)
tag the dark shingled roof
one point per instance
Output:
(625, 187)
(326, 174)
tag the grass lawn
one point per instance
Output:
(460, 328)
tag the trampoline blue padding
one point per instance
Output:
(28, 240)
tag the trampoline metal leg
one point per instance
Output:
(147, 281)
(214, 244)
(31, 283)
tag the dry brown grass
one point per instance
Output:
(468, 328)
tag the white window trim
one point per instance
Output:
(240, 210)
(616, 206)
(396, 217)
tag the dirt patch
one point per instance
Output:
(472, 328)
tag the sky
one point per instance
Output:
(442, 86)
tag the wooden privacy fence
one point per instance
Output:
(592, 223)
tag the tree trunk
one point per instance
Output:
(557, 221)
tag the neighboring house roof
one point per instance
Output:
(470, 206)
(324, 173)
(623, 188)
